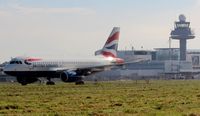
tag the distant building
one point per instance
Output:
(136, 55)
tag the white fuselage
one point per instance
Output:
(55, 65)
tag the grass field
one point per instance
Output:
(180, 97)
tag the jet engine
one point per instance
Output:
(69, 76)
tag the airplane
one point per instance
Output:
(28, 69)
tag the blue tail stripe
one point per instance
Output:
(114, 47)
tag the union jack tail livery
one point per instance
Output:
(111, 45)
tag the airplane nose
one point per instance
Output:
(4, 69)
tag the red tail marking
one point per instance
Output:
(108, 54)
(113, 37)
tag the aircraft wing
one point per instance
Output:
(90, 68)
(85, 71)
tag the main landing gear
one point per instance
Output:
(80, 81)
(49, 82)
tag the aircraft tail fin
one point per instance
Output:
(111, 45)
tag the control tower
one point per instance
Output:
(182, 32)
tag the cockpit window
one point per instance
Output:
(19, 62)
(12, 62)
(15, 62)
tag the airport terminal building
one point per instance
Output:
(159, 63)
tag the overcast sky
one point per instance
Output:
(67, 28)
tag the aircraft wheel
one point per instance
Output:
(80, 82)
(23, 83)
(50, 83)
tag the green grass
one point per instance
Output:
(174, 98)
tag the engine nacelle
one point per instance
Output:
(69, 76)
